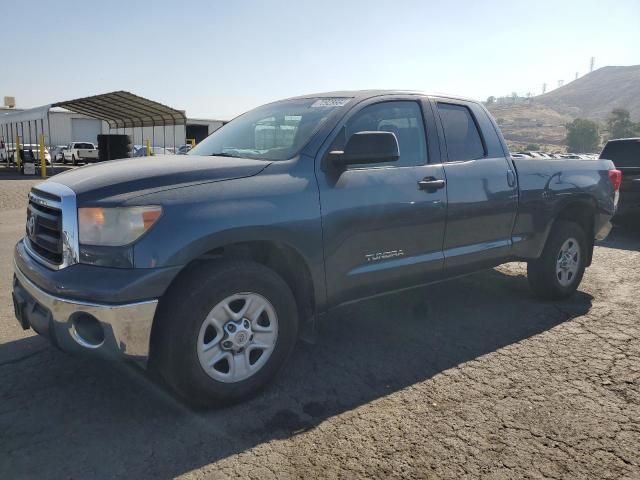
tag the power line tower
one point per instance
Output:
(593, 62)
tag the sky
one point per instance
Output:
(217, 59)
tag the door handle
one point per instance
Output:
(431, 184)
(511, 178)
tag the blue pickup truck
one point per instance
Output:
(208, 267)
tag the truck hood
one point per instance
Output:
(120, 180)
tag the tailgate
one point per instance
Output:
(87, 153)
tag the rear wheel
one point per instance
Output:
(558, 272)
(224, 331)
(73, 160)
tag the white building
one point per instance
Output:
(67, 127)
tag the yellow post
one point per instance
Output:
(192, 141)
(148, 147)
(43, 161)
(16, 154)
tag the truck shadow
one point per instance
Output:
(117, 424)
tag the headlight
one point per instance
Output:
(115, 226)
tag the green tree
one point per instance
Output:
(532, 146)
(620, 124)
(582, 136)
(491, 100)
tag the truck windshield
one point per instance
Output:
(277, 131)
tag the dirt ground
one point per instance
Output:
(472, 378)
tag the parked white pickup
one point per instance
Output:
(80, 152)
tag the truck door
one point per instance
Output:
(382, 228)
(481, 187)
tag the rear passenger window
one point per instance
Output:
(404, 119)
(460, 132)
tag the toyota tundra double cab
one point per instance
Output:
(205, 268)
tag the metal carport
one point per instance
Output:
(125, 110)
(120, 109)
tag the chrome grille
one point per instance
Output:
(51, 229)
(44, 229)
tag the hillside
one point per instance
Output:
(531, 123)
(542, 119)
(597, 93)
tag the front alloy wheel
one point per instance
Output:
(237, 337)
(223, 331)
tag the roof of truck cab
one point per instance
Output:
(364, 94)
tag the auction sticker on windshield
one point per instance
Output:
(330, 102)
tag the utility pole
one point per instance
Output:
(544, 88)
(576, 75)
(593, 62)
(560, 83)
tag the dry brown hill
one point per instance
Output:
(531, 123)
(597, 93)
(542, 119)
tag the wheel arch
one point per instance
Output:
(582, 211)
(284, 259)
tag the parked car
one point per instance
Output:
(184, 149)
(208, 270)
(57, 153)
(76, 152)
(141, 151)
(625, 154)
(30, 152)
(4, 152)
(536, 154)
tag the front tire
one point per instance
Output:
(559, 270)
(224, 331)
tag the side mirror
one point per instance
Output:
(367, 147)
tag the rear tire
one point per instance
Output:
(197, 324)
(73, 160)
(559, 270)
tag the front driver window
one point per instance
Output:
(403, 118)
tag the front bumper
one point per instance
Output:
(125, 328)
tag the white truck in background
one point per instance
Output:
(85, 152)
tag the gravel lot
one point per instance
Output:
(472, 378)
